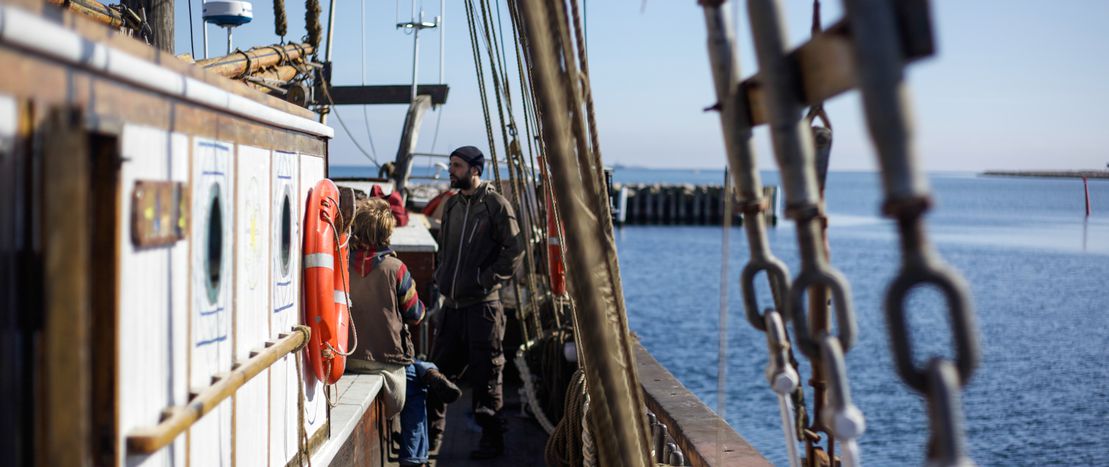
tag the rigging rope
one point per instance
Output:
(280, 23)
(564, 447)
(479, 69)
(512, 150)
(312, 12)
(722, 344)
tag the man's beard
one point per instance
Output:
(464, 183)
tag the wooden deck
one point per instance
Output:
(524, 441)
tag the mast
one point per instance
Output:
(159, 15)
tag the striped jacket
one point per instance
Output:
(384, 302)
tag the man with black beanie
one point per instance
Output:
(480, 247)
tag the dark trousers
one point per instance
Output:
(469, 341)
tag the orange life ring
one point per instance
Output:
(326, 303)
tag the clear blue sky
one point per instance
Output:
(1021, 84)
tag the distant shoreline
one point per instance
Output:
(1048, 173)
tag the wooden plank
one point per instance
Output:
(105, 259)
(827, 66)
(524, 440)
(704, 438)
(65, 229)
(387, 94)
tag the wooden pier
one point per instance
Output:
(684, 204)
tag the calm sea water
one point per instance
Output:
(1038, 270)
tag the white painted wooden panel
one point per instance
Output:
(8, 120)
(312, 170)
(252, 311)
(284, 303)
(153, 300)
(251, 423)
(211, 281)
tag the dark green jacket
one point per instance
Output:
(480, 247)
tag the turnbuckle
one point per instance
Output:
(735, 120)
(793, 149)
(878, 53)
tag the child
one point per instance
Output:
(384, 304)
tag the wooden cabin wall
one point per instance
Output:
(171, 337)
(251, 324)
(153, 293)
(285, 305)
(210, 281)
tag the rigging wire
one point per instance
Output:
(438, 122)
(722, 349)
(338, 116)
(365, 115)
(192, 43)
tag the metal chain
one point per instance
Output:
(878, 53)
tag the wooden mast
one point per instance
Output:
(159, 15)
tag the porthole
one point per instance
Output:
(213, 259)
(286, 234)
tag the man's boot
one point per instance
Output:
(442, 386)
(490, 446)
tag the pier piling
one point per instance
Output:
(1086, 189)
(683, 204)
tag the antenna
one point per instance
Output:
(416, 25)
(227, 14)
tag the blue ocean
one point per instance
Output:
(1038, 269)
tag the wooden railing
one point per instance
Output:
(177, 419)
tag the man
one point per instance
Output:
(480, 247)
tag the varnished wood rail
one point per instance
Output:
(177, 419)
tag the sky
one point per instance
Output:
(1014, 85)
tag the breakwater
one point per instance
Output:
(1048, 173)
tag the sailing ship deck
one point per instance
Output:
(524, 441)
